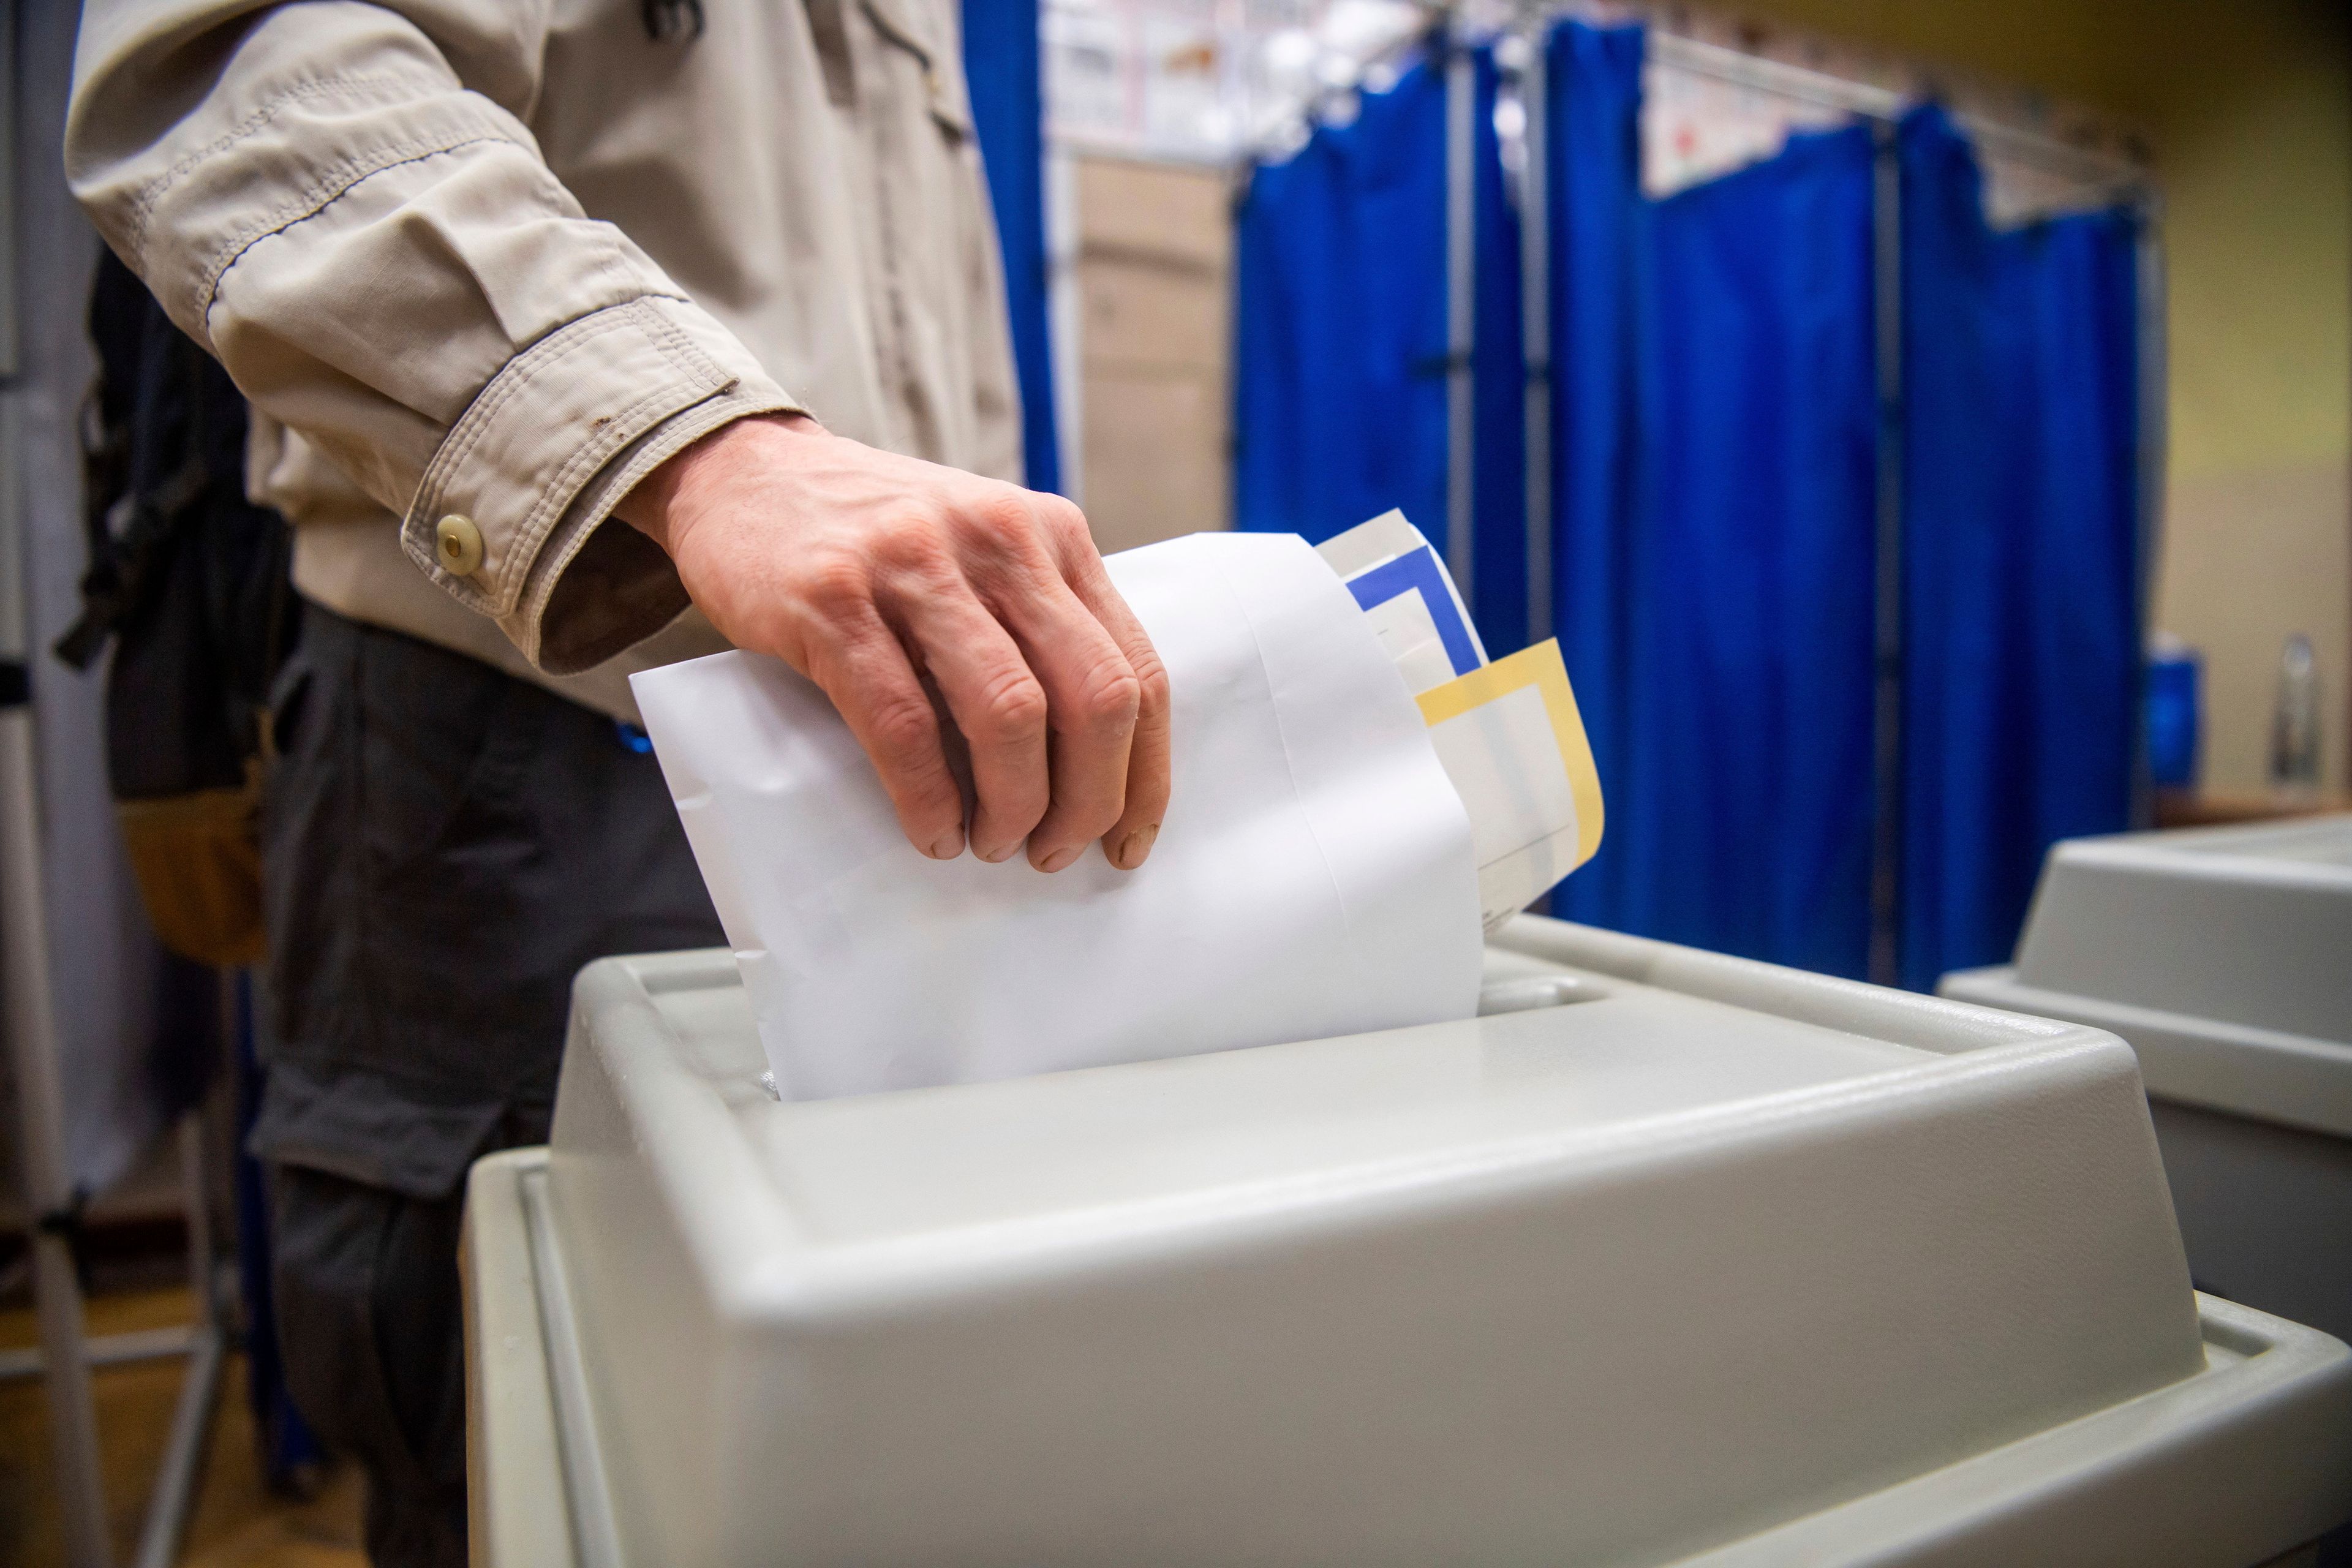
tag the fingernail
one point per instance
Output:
(997, 857)
(949, 847)
(1058, 859)
(1136, 846)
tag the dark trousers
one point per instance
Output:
(444, 847)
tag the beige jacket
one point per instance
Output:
(492, 260)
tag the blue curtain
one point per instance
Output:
(1339, 345)
(1745, 822)
(1714, 469)
(1593, 143)
(1339, 323)
(1000, 58)
(1715, 476)
(2019, 549)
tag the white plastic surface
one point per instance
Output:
(2247, 926)
(2216, 1469)
(2223, 957)
(1713, 1250)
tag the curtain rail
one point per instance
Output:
(1879, 103)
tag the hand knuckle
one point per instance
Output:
(904, 730)
(1111, 697)
(1012, 710)
(835, 585)
(910, 544)
(1151, 683)
(1066, 522)
(1005, 517)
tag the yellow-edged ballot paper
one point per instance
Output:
(1514, 744)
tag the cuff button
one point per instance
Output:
(459, 545)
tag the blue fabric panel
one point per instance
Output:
(1593, 103)
(1745, 813)
(2019, 549)
(1339, 323)
(999, 57)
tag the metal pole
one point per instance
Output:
(49, 1190)
(30, 1009)
(1461, 310)
(174, 1498)
(127, 1348)
(1535, 318)
(2149, 496)
(1886, 718)
(203, 1278)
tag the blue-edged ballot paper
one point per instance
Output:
(1406, 593)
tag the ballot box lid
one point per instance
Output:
(1664, 1250)
(2224, 955)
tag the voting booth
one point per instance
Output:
(1664, 1257)
(2224, 957)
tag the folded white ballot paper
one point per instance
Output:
(1315, 874)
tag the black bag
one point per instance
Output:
(189, 580)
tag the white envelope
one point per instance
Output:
(1314, 875)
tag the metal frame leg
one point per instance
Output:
(1461, 312)
(173, 1499)
(24, 973)
(1887, 813)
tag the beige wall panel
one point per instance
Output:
(1155, 458)
(1153, 282)
(2248, 559)
(1180, 215)
(1141, 315)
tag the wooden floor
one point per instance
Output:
(236, 1522)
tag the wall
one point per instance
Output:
(2249, 113)
(1154, 249)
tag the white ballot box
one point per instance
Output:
(1666, 1257)
(2224, 956)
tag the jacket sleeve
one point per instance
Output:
(341, 202)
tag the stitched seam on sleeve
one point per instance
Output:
(142, 207)
(316, 198)
(510, 383)
(477, 421)
(564, 484)
(669, 436)
(702, 375)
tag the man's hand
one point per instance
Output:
(908, 591)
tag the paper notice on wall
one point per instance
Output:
(1314, 874)
(1512, 741)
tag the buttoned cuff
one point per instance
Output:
(546, 451)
